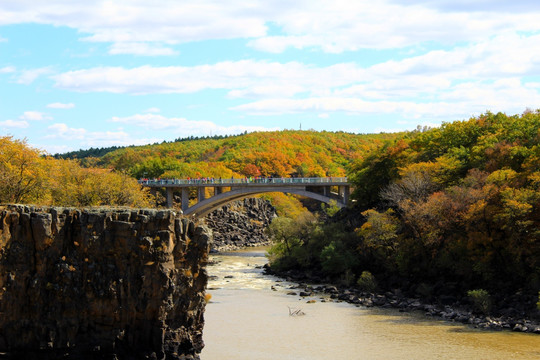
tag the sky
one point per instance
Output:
(78, 74)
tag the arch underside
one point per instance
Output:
(208, 205)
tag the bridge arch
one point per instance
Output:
(206, 206)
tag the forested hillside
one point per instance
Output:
(446, 210)
(279, 153)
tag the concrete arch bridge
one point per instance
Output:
(227, 190)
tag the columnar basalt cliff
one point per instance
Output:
(241, 224)
(101, 283)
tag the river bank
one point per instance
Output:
(248, 318)
(453, 311)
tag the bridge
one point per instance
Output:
(224, 191)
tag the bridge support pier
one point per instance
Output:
(344, 192)
(201, 194)
(185, 198)
(169, 197)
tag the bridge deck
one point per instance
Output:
(212, 182)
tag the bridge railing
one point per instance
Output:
(241, 181)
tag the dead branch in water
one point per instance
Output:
(295, 312)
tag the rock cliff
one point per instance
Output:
(101, 283)
(241, 224)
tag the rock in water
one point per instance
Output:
(101, 283)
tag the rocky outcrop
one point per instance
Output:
(102, 283)
(241, 224)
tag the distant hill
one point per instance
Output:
(277, 153)
(99, 152)
(83, 154)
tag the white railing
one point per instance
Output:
(242, 181)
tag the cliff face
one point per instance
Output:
(241, 224)
(101, 283)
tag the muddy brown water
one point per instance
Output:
(247, 319)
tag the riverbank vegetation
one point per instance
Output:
(28, 177)
(451, 211)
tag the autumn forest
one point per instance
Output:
(439, 211)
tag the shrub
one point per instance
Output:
(367, 282)
(481, 300)
(336, 259)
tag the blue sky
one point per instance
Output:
(80, 74)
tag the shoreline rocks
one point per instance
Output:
(395, 299)
(101, 283)
(241, 224)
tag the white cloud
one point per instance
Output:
(18, 124)
(62, 131)
(26, 77)
(3, 39)
(428, 73)
(108, 138)
(245, 78)
(344, 25)
(7, 70)
(421, 85)
(351, 106)
(477, 5)
(54, 149)
(86, 139)
(184, 127)
(169, 22)
(331, 25)
(58, 105)
(141, 49)
(177, 127)
(493, 67)
(34, 116)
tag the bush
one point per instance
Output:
(481, 300)
(336, 259)
(367, 282)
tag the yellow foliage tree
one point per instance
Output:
(21, 174)
(27, 177)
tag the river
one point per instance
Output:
(248, 319)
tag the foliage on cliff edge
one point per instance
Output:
(28, 177)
